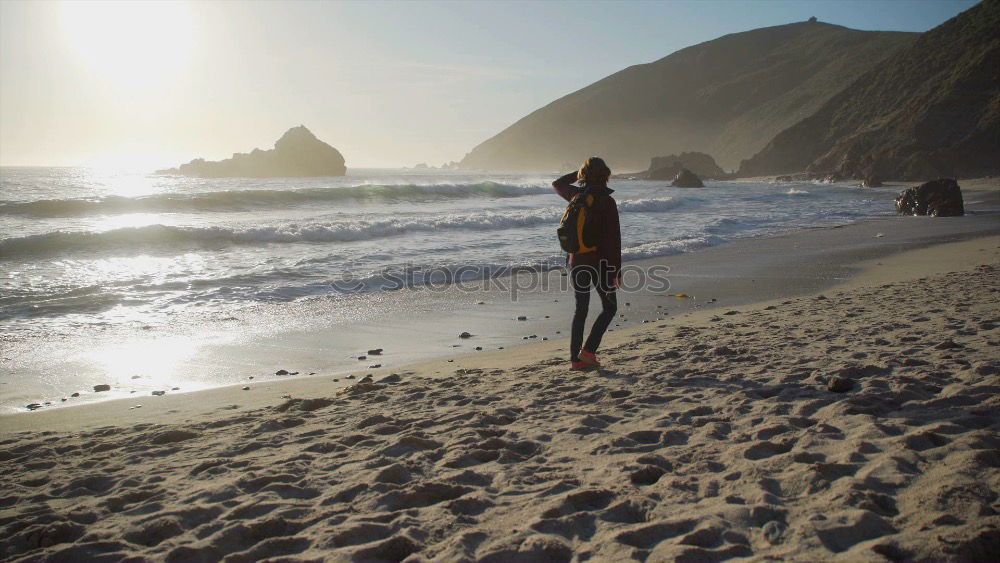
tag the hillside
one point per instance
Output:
(931, 109)
(727, 97)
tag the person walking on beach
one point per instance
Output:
(597, 266)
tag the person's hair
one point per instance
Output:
(594, 172)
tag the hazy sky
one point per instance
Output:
(150, 84)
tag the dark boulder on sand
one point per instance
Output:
(687, 179)
(938, 198)
(839, 384)
(298, 153)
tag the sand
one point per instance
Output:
(710, 436)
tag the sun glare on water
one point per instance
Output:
(129, 44)
(156, 361)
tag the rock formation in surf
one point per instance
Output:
(930, 110)
(871, 181)
(668, 167)
(298, 153)
(687, 179)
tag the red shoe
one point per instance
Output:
(580, 366)
(589, 358)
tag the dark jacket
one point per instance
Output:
(609, 244)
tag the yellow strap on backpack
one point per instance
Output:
(581, 219)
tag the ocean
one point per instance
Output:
(86, 252)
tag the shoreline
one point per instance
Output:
(842, 270)
(320, 336)
(859, 423)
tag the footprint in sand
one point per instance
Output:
(764, 450)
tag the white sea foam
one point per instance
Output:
(341, 231)
(667, 247)
(209, 245)
(270, 198)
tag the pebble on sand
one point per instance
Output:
(102, 387)
(246, 387)
(375, 352)
(281, 372)
(522, 318)
(465, 335)
(839, 384)
(159, 393)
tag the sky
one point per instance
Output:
(153, 84)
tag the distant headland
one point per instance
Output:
(298, 153)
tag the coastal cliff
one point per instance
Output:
(726, 97)
(930, 110)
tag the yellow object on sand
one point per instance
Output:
(681, 296)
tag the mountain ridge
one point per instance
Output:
(726, 97)
(930, 109)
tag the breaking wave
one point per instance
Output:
(246, 199)
(343, 231)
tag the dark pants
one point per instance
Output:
(583, 278)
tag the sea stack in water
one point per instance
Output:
(940, 198)
(298, 153)
(871, 181)
(667, 167)
(687, 179)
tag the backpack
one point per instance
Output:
(578, 229)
